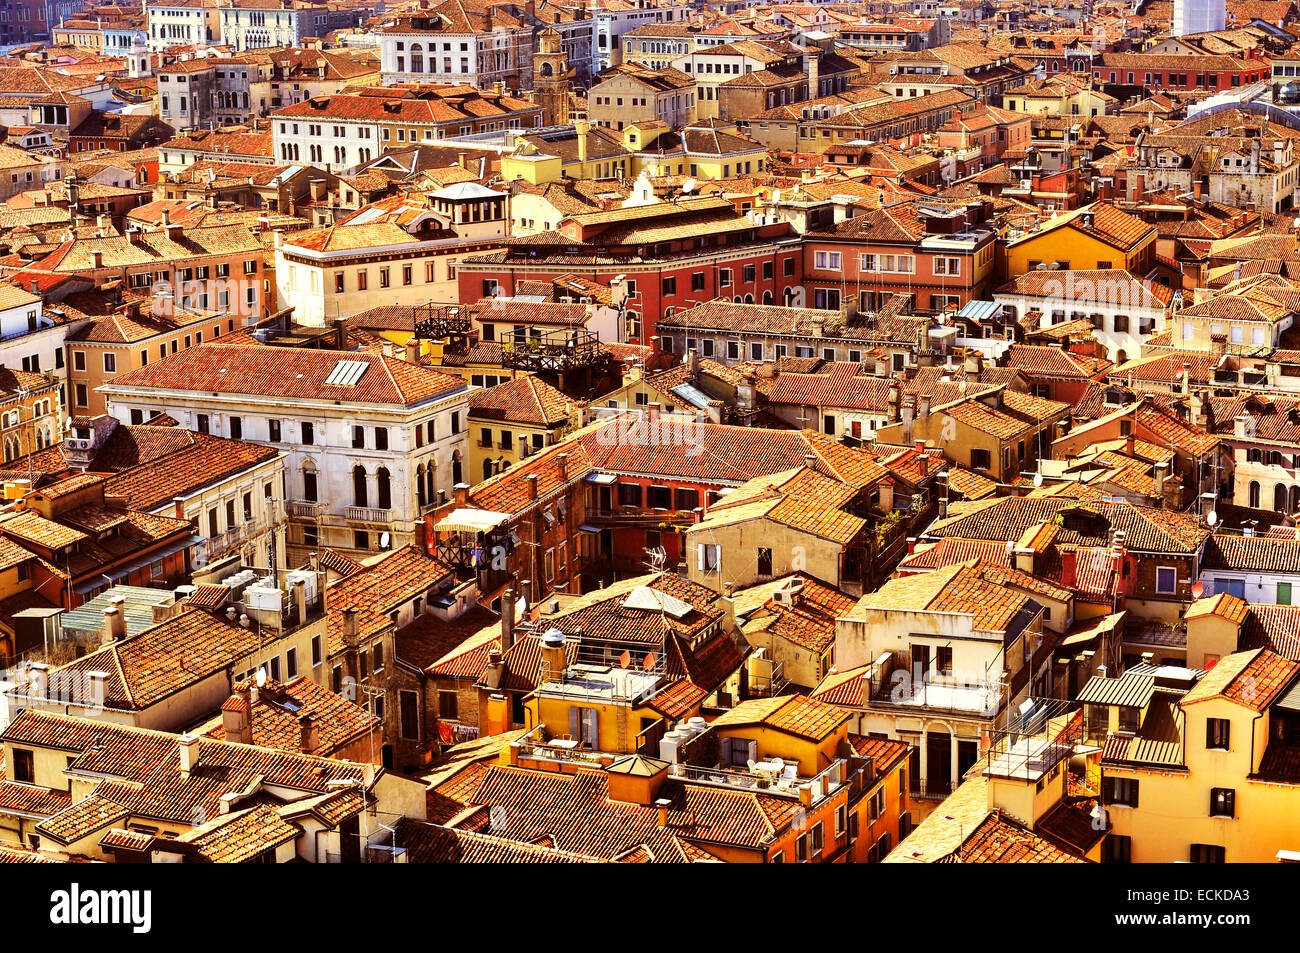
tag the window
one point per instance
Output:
(1217, 733)
(1207, 854)
(408, 708)
(236, 428)
(659, 497)
(979, 459)
(943, 659)
(629, 494)
(1223, 802)
(110, 363)
(316, 656)
(291, 663)
(358, 438)
(78, 360)
(818, 838)
(1166, 580)
(1123, 791)
(24, 768)
(202, 424)
(1118, 849)
(708, 557)
(308, 432)
(273, 430)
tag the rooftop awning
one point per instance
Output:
(469, 520)
(604, 479)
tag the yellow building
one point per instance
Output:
(514, 420)
(705, 149)
(1092, 237)
(1057, 96)
(1199, 766)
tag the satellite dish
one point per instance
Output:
(1198, 590)
(689, 186)
(1212, 517)
(260, 678)
(1038, 479)
(385, 539)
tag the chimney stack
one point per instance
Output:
(507, 620)
(189, 753)
(237, 715)
(308, 736)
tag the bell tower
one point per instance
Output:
(551, 77)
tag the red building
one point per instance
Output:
(671, 256)
(1180, 71)
(939, 256)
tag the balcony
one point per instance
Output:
(304, 509)
(368, 514)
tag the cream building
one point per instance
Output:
(373, 442)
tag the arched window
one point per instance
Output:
(487, 469)
(767, 297)
(385, 493)
(1279, 498)
(1295, 499)
(309, 485)
(417, 58)
(419, 486)
(1254, 494)
(359, 495)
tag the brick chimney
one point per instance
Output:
(237, 715)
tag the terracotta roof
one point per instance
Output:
(796, 715)
(290, 373)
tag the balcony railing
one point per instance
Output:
(924, 789)
(304, 508)
(368, 514)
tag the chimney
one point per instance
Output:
(925, 406)
(350, 627)
(661, 809)
(189, 753)
(461, 492)
(308, 736)
(581, 127)
(114, 621)
(507, 620)
(1069, 567)
(531, 480)
(1130, 443)
(813, 59)
(300, 599)
(1162, 475)
(96, 258)
(908, 413)
(563, 461)
(526, 593)
(237, 715)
